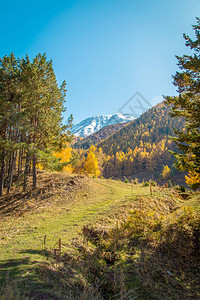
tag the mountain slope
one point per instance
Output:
(152, 126)
(142, 146)
(94, 124)
(98, 136)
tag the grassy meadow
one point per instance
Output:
(110, 233)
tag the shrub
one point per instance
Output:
(146, 183)
(126, 181)
(170, 185)
(182, 188)
(180, 233)
(140, 223)
(153, 183)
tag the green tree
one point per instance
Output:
(43, 107)
(187, 105)
(31, 106)
(9, 80)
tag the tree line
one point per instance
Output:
(31, 128)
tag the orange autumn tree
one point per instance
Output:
(193, 180)
(65, 156)
(91, 163)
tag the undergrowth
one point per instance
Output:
(149, 252)
(148, 249)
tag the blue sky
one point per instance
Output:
(105, 50)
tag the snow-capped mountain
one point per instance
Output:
(94, 124)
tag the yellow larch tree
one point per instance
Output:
(65, 156)
(166, 172)
(193, 180)
(91, 163)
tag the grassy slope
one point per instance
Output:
(194, 203)
(63, 215)
(22, 236)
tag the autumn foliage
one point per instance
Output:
(65, 156)
(193, 179)
(166, 172)
(91, 163)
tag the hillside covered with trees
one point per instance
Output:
(139, 149)
(143, 145)
(98, 136)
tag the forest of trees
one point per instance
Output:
(151, 127)
(142, 146)
(31, 129)
(139, 147)
(32, 134)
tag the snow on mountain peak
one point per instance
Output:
(94, 124)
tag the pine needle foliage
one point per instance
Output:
(187, 106)
(31, 106)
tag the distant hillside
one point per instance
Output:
(142, 145)
(94, 124)
(98, 136)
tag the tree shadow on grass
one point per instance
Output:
(33, 251)
(17, 203)
(22, 276)
(15, 266)
(12, 269)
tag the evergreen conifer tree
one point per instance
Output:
(187, 105)
(31, 106)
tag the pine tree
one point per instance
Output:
(187, 105)
(31, 106)
(9, 74)
(43, 104)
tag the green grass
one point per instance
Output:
(63, 216)
(22, 237)
(156, 249)
(194, 202)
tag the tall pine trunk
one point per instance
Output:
(34, 172)
(11, 169)
(26, 171)
(8, 170)
(18, 164)
(2, 172)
